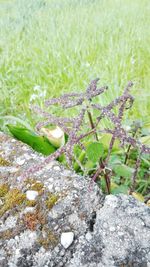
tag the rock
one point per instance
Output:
(56, 168)
(28, 210)
(9, 223)
(67, 239)
(13, 170)
(124, 242)
(31, 194)
(20, 161)
(88, 236)
(110, 231)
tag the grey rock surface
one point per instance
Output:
(121, 235)
(108, 231)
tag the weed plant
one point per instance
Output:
(110, 155)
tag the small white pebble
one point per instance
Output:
(120, 233)
(51, 180)
(50, 187)
(105, 225)
(112, 229)
(17, 238)
(27, 157)
(56, 168)
(32, 235)
(13, 170)
(67, 239)
(57, 189)
(29, 209)
(56, 227)
(31, 194)
(50, 165)
(88, 236)
(13, 141)
(57, 249)
(42, 250)
(17, 252)
(20, 161)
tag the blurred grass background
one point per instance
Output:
(48, 47)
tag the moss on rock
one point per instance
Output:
(32, 184)
(12, 198)
(4, 162)
(4, 188)
(51, 200)
(50, 239)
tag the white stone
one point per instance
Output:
(120, 233)
(27, 157)
(10, 222)
(13, 170)
(56, 168)
(67, 239)
(50, 187)
(51, 180)
(28, 209)
(31, 194)
(112, 229)
(17, 251)
(50, 165)
(20, 161)
(88, 236)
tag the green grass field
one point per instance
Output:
(48, 47)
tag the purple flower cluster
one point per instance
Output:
(75, 127)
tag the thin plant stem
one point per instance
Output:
(128, 150)
(92, 124)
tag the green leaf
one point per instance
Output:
(94, 151)
(123, 170)
(38, 143)
(114, 159)
(145, 140)
(77, 150)
(147, 126)
(89, 165)
(105, 140)
(113, 186)
(80, 159)
(120, 189)
(147, 162)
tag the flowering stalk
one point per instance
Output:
(74, 127)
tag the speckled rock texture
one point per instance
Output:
(109, 231)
